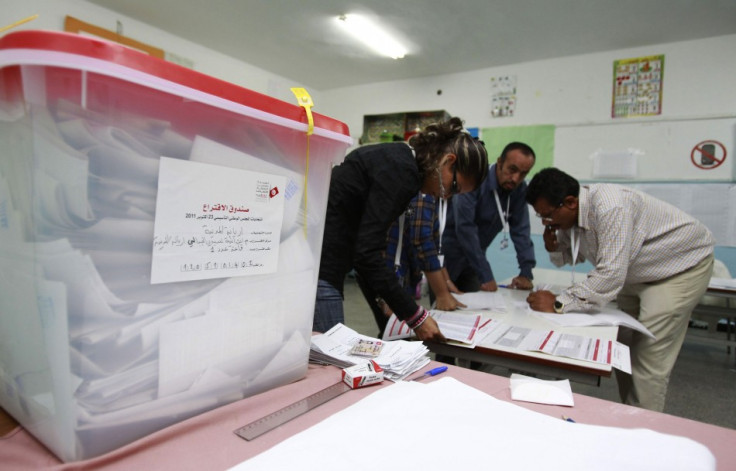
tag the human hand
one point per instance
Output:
(447, 302)
(489, 286)
(550, 239)
(429, 330)
(521, 282)
(451, 286)
(543, 301)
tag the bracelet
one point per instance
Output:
(418, 318)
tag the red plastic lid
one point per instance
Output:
(123, 56)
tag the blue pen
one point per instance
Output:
(567, 419)
(432, 372)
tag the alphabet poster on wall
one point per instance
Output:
(637, 86)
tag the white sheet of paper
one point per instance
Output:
(722, 283)
(606, 316)
(215, 222)
(475, 428)
(621, 359)
(540, 391)
(485, 300)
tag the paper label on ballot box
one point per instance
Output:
(215, 222)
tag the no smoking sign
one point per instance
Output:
(708, 154)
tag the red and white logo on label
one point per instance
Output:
(274, 191)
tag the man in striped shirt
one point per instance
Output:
(652, 258)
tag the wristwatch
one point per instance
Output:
(558, 307)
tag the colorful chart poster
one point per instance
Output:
(637, 87)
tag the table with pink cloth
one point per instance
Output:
(208, 441)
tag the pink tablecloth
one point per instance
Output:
(208, 442)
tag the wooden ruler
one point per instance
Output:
(281, 416)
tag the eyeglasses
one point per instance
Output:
(550, 215)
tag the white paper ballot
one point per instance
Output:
(215, 222)
(528, 389)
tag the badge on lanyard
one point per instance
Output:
(504, 217)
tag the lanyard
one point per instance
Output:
(443, 221)
(397, 258)
(575, 248)
(504, 218)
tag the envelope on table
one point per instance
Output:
(525, 388)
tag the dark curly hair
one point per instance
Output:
(553, 185)
(449, 137)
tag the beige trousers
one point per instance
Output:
(663, 307)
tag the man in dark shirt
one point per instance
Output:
(474, 219)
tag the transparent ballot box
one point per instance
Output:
(160, 238)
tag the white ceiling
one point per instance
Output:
(297, 39)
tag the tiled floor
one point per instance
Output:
(702, 386)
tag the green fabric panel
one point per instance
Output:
(540, 138)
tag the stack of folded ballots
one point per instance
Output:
(398, 358)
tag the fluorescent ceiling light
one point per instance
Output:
(372, 35)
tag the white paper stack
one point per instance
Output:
(398, 358)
